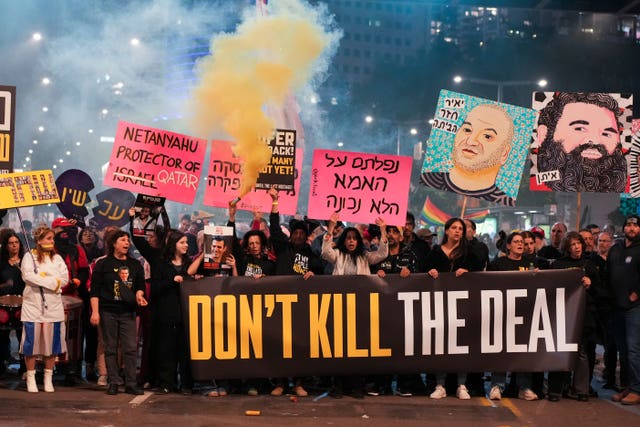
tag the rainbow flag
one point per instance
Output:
(477, 215)
(432, 215)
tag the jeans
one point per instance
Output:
(119, 328)
(632, 323)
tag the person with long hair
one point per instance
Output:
(11, 283)
(43, 330)
(167, 276)
(349, 256)
(453, 255)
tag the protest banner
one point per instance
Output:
(73, 186)
(361, 187)
(223, 183)
(7, 127)
(156, 162)
(27, 189)
(240, 327)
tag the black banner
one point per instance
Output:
(332, 325)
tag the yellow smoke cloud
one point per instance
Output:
(266, 58)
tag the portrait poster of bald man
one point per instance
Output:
(477, 147)
(580, 142)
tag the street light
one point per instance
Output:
(500, 84)
(413, 131)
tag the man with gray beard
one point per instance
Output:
(480, 148)
(580, 134)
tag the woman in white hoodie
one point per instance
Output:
(43, 330)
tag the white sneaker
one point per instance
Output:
(48, 381)
(462, 393)
(438, 393)
(32, 387)
(527, 394)
(102, 380)
(495, 393)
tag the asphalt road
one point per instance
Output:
(88, 405)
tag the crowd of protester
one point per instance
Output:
(128, 285)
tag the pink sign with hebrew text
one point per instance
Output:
(361, 187)
(223, 183)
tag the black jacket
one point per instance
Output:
(623, 263)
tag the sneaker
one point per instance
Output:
(438, 393)
(252, 391)
(300, 391)
(527, 394)
(495, 393)
(462, 393)
(222, 391)
(372, 393)
(277, 391)
(112, 390)
(102, 380)
(403, 393)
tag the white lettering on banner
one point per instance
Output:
(455, 323)
(499, 322)
(408, 298)
(513, 320)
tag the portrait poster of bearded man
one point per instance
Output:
(580, 142)
(477, 147)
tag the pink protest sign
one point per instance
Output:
(223, 183)
(361, 187)
(156, 162)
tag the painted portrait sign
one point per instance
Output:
(633, 160)
(477, 147)
(580, 142)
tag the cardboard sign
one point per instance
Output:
(27, 189)
(74, 186)
(361, 187)
(113, 208)
(7, 127)
(156, 162)
(223, 183)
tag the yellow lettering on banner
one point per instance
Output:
(200, 338)
(250, 326)
(5, 147)
(338, 334)
(224, 329)
(352, 336)
(374, 330)
(318, 335)
(287, 324)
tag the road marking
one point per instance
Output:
(140, 399)
(509, 404)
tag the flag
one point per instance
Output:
(432, 215)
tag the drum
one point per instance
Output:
(73, 326)
(10, 307)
